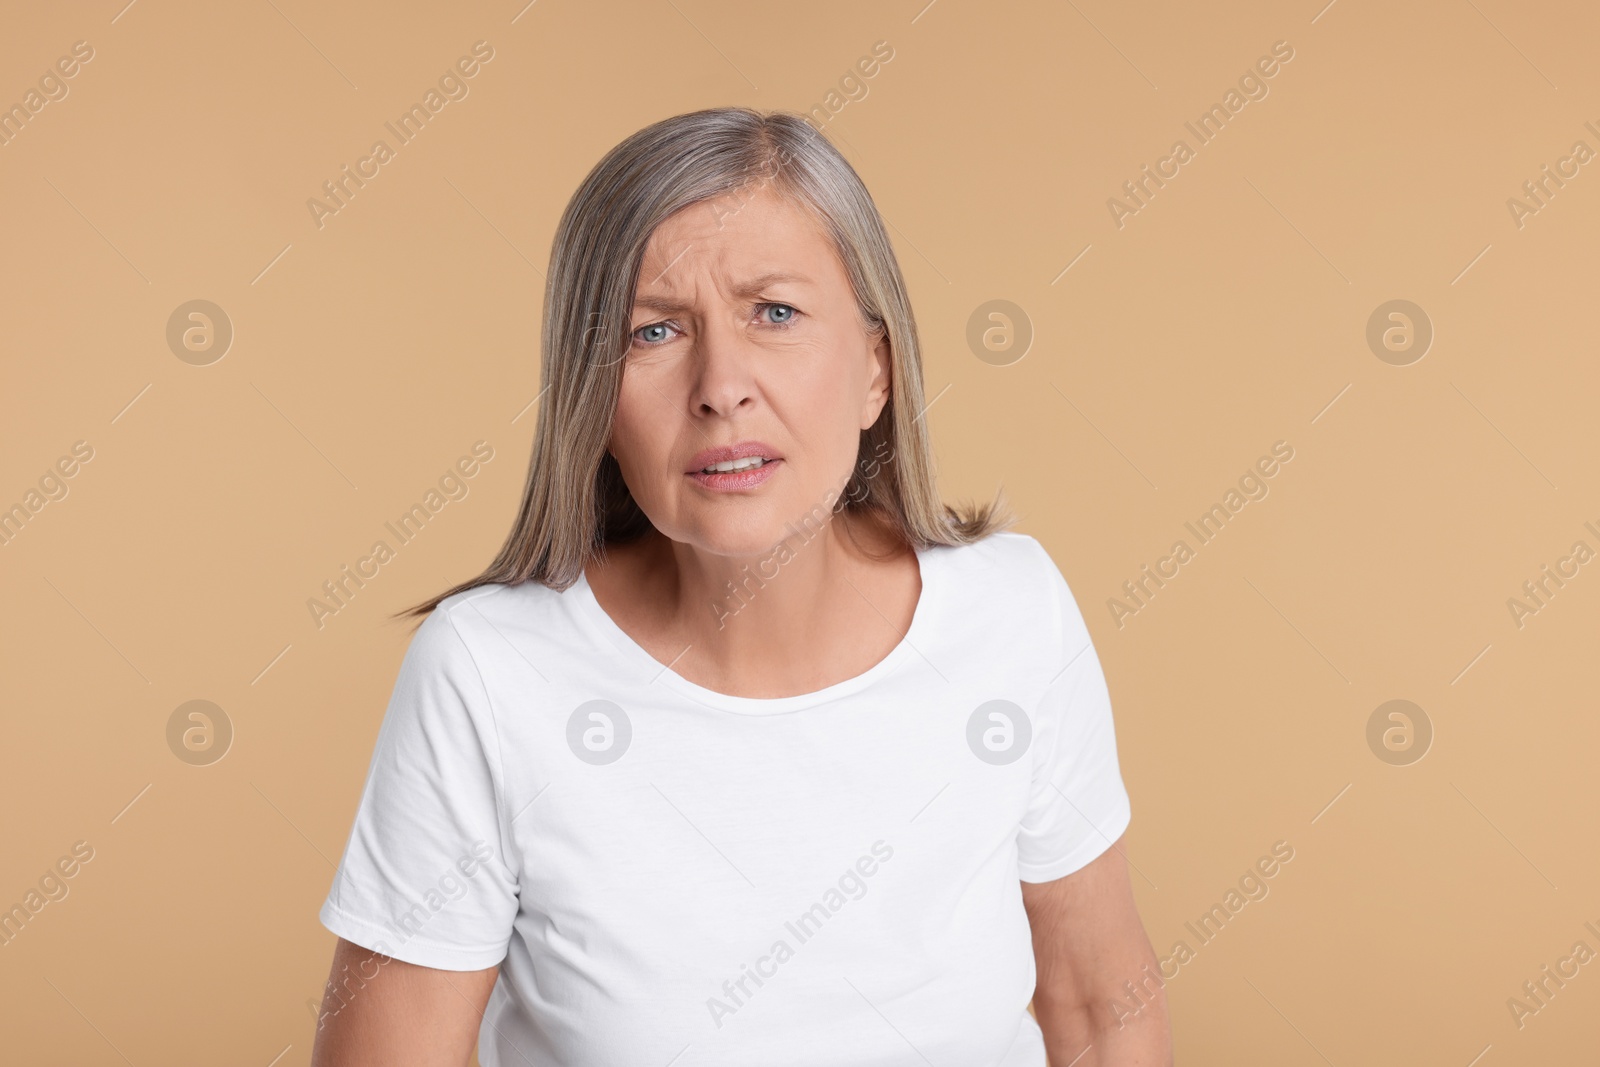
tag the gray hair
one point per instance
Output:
(574, 502)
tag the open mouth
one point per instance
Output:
(737, 475)
(745, 464)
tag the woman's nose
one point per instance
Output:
(724, 368)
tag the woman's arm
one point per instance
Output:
(382, 1012)
(1088, 941)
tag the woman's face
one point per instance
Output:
(744, 333)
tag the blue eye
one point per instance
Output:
(785, 312)
(648, 336)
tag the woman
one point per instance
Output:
(745, 749)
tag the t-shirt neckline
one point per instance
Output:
(662, 674)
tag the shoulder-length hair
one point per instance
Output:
(575, 502)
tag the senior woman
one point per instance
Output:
(745, 749)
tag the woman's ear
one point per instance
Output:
(878, 388)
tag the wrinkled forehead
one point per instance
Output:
(756, 210)
(743, 239)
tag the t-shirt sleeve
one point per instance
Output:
(424, 877)
(1079, 805)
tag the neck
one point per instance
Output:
(769, 623)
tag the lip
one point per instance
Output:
(724, 453)
(725, 481)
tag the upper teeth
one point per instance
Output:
(734, 465)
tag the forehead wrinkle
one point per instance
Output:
(749, 288)
(710, 243)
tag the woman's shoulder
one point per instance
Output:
(1004, 556)
(1012, 575)
(499, 597)
(476, 622)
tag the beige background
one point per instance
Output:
(1228, 314)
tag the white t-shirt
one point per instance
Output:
(671, 875)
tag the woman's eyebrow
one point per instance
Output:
(772, 277)
(744, 289)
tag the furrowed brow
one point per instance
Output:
(773, 277)
(750, 288)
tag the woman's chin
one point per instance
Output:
(758, 535)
